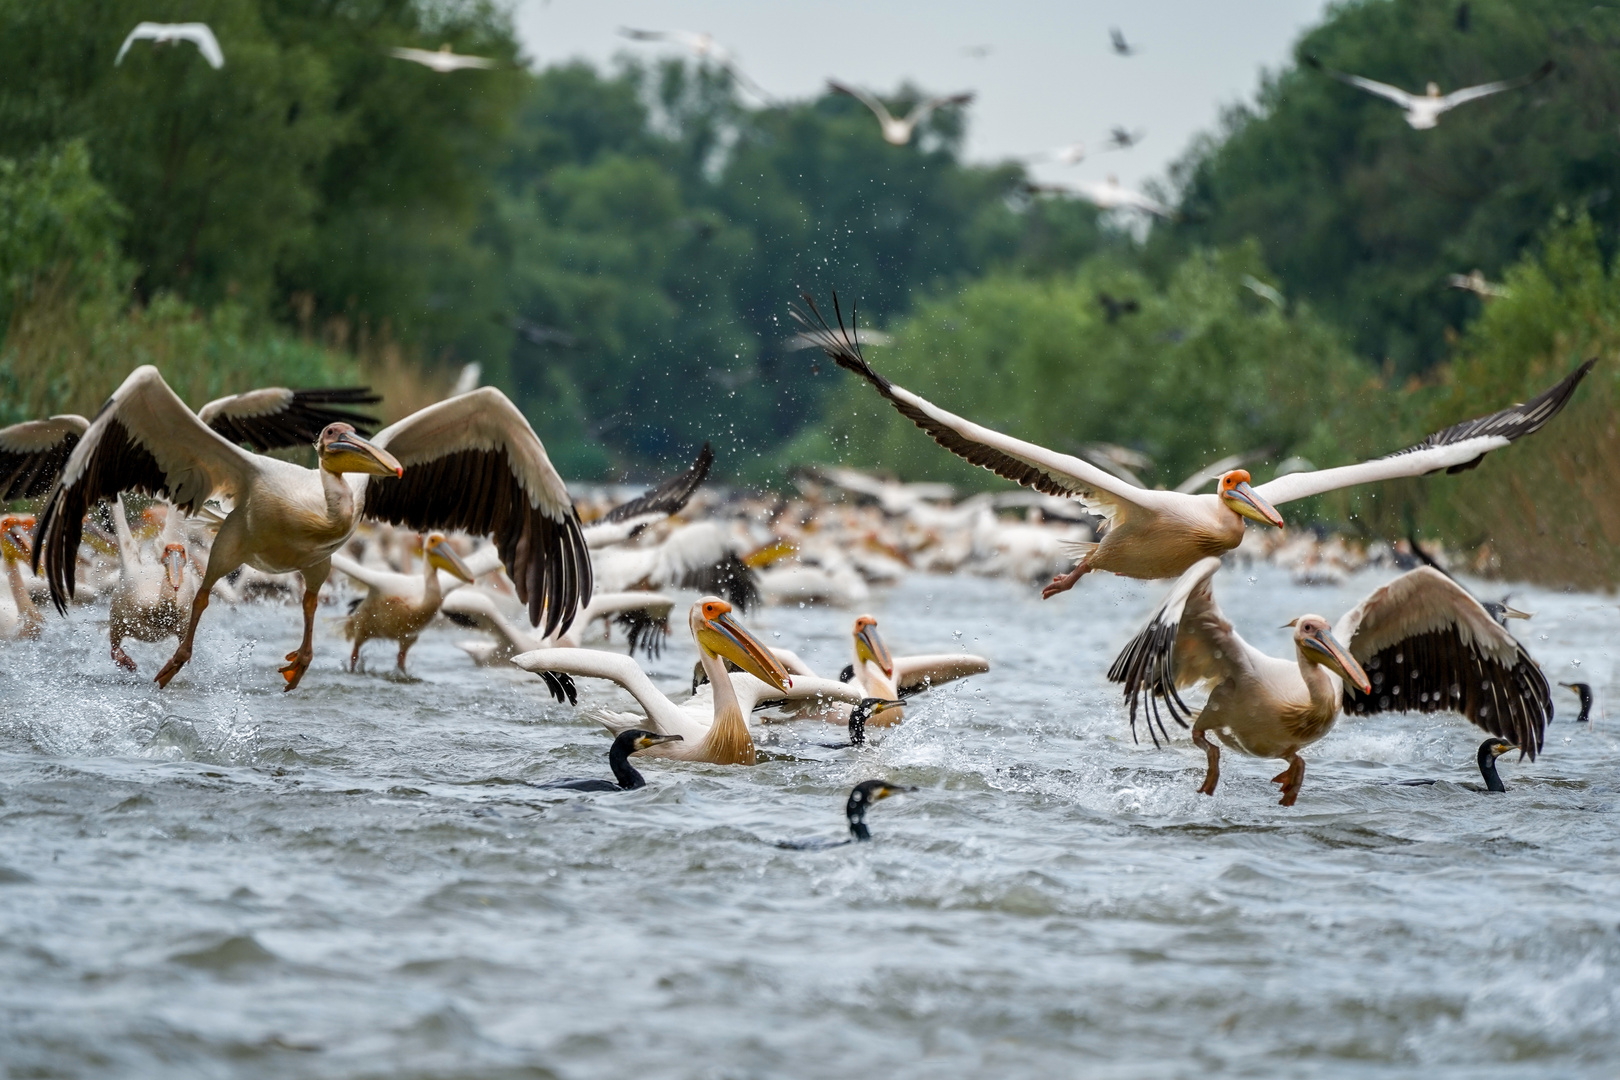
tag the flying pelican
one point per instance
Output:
(168, 33)
(703, 46)
(1269, 293)
(19, 618)
(713, 723)
(1428, 644)
(444, 60)
(861, 797)
(697, 556)
(625, 775)
(1423, 110)
(475, 465)
(898, 132)
(33, 452)
(1476, 284)
(150, 601)
(1159, 534)
(1110, 194)
(398, 607)
(644, 615)
(882, 675)
(656, 503)
(1121, 47)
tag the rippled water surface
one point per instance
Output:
(355, 879)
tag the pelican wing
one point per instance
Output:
(33, 452)
(1428, 646)
(878, 108)
(1186, 641)
(1456, 449)
(474, 463)
(923, 108)
(143, 439)
(670, 496)
(1383, 90)
(752, 692)
(662, 714)
(275, 417)
(914, 674)
(1013, 459)
(200, 35)
(1470, 93)
(142, 32)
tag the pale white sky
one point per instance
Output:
(1050, 78)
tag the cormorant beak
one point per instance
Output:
(444, 557)
(724, 636)
(869, 646)
(1244, 500)
(1337, 658)
(1498, 749)
(1515, 613)
(653, 740)
(174, 565)
(890, 789)
(881, 706)
(349, 453)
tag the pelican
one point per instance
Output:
(151, 600)
(655, 504)
(397, 607)
(168, 33)
(1159, 534)
(644, 615)
(1429, 645)
(697, 556)
(1110, 194)
(444, 61)
(19, 618)
(1476, 284)
(1122, 138)
(1073, 154)
(33, 452)
(898, 132)
(703, 46)
(475, 465)
(1423, 110)
(713, 723)
(882, 675)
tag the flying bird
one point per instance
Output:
(1120, 138)
(1418, 644)
(1160, 534)
(443, 61)
(1423, 110)
(1476, 284)
(898, 132)
(168, 33)
(1073, 154)
(1121, 46)
(703, 46)
(1268, 293)
(1107, 194)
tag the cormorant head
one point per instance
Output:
(341, 449)
(869, 645)
(1493, 748)
(718, 634)
(1238, 497)
(637, 739)
(866, 710)
(1315, 641)
(1583, 691)
(14, 544)
(863, 795)
(1502, 612)
(441, 556)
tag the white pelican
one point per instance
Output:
(33, 452)
(1116, 37)
(1159, 534)
(644, 615)
(19, 618)
(880, 674)
(713, 723)
(443, 61)
(151, 600)
(1476, 284)
(398, 607)
(1423, 110)
(1110, 194)
(1417, 644)
(475, 464)
(898, 132)
(703, 46)
(168, 33)
(656, 503)
(1073, 154)
(697, 556)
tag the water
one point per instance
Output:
(354, 880)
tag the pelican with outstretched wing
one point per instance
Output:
(1159, 534)
(444, 60)
(1423, 110)
(712, 723)
(168, 33)
(1418, 644)
(898, 132)
(474, 464)
(881, 674)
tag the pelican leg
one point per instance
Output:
(1065, 582)
(354, 653)
(1213, 775)
(298, 660)
(1291, 779)
(120, 657)
(404, 647)
(182, 653)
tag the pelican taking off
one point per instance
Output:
(475, 464)
(1419, 644)
(1159, 534)
(444, 61)
(168, 33)
(898, 132)
(1423, 110)
(703, 46)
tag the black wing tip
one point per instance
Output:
(562, 687)
(842, 346)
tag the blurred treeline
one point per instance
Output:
(617, 249)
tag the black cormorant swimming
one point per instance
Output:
(1585, 692)
(625, 776)
(868, 708)
(863, 795)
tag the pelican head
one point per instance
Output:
(869, 645)
(1243, 500)
(863, 795)
(14, 544)
(718, 634)
(1433, 90)
(1315, 641)
(342, 450)
(441, 556)
(174, 565)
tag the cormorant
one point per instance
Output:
(625, 776)
(1585, 692)
(866, 710)
(863, 795)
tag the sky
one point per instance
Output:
(1049, 78)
